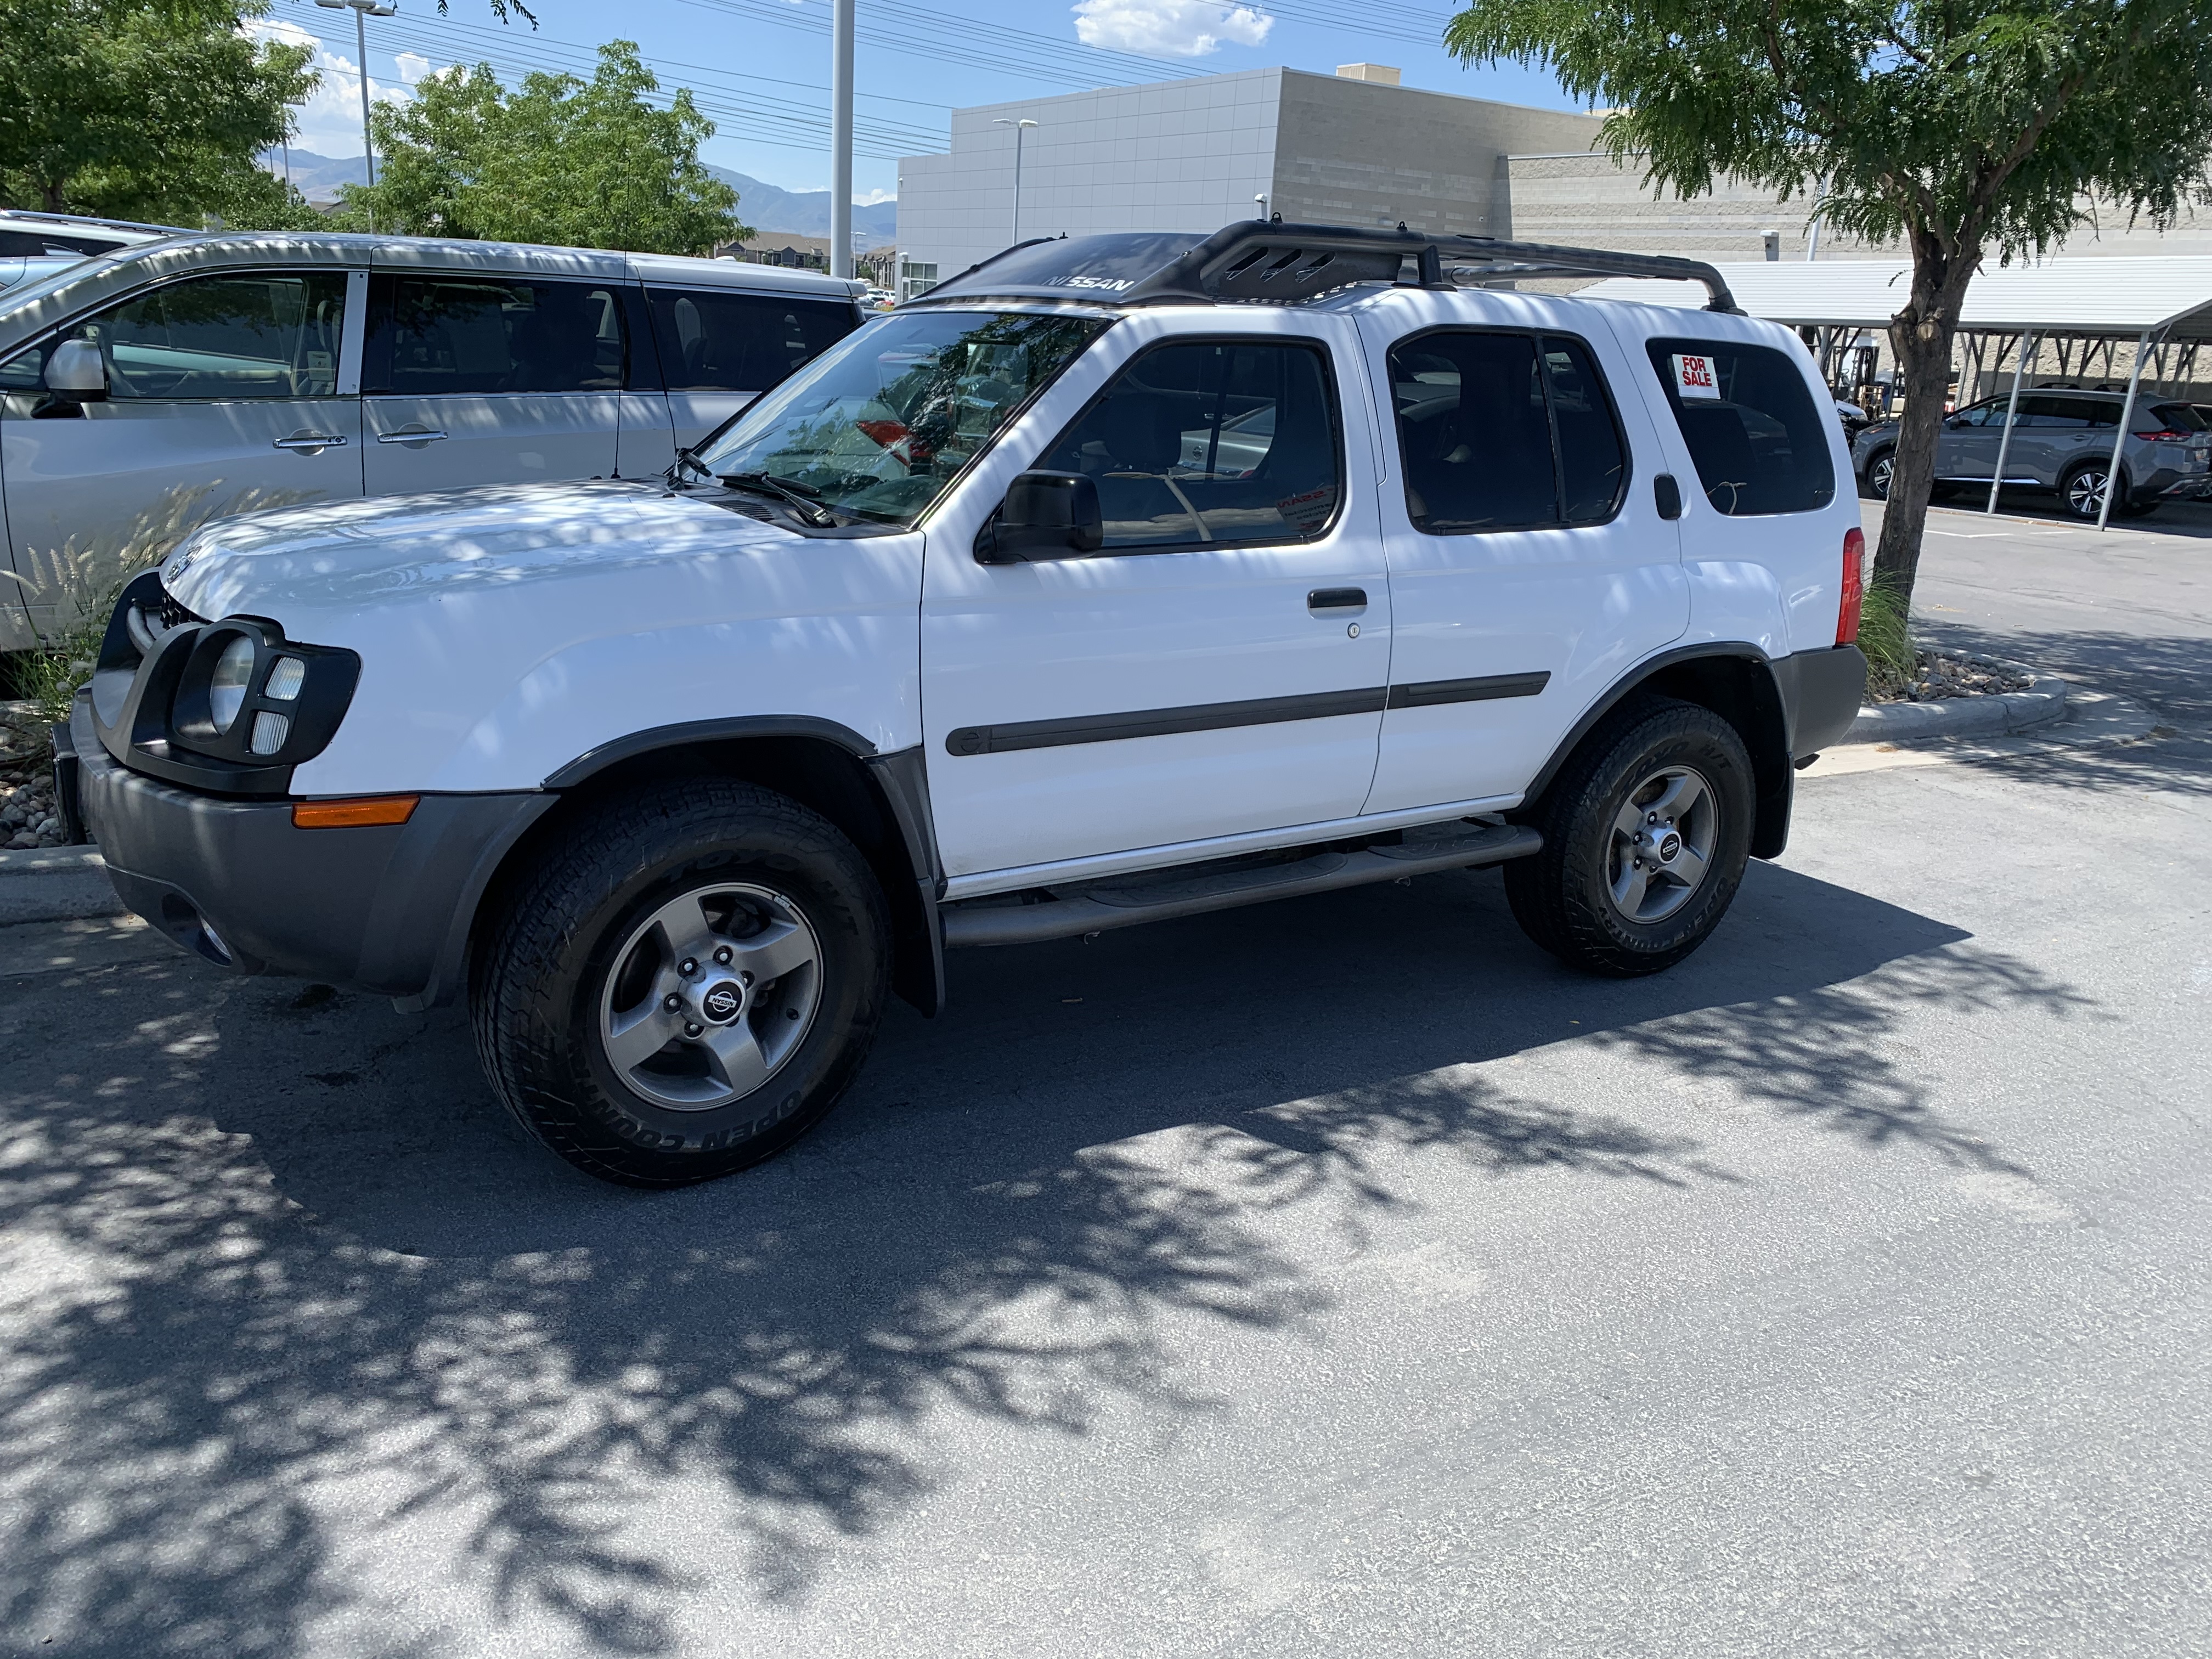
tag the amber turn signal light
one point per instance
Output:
(353, 814)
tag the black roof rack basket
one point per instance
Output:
(1268, 261)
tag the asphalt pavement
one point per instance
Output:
(1335, 1277)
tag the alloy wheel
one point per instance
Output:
(1662, 844)
(710, 995)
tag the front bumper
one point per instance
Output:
(385, 909)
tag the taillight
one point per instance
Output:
(2168, 436)
(1847, 613)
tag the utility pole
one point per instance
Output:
(841, 138)
(362, 10)
(1015, 235)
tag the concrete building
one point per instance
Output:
(1352, 147)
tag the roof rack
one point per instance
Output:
(1268, 261)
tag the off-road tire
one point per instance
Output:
(1562, 897)
(539, 971)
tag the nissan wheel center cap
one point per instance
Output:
(723, 1001)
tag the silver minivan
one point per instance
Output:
(198, 376)
(2062, 441)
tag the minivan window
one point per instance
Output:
(1210, 441)
(1499, 432)
(733, 342)
(1758, 443)
(439, 336)
(218, 337)
(878, 424)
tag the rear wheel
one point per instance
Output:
(2083, 490)
(685, 985)
(1881, 473)
(1646, 832)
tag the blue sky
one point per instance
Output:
(761, 68)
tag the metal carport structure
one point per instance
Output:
(2081, 309)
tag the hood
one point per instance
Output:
(351, 556)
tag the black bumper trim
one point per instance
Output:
(1822, 693)
(384, 908)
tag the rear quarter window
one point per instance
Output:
(1758, 441)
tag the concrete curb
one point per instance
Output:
(55, 883)
(2043, 702)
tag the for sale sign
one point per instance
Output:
(1693, 376)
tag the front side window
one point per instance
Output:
(876, 425)
(216, 338)
(1758, 441)
(734, 341)
(1505, 432)
(1210, 441)
(435, 336)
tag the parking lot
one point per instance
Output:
(1338, 1276)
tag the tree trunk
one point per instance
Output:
(1921, 335)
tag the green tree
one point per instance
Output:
(143, 109)
(1965, 127)
(560, 159)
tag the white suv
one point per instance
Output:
(1118, 579)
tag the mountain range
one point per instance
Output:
(762, 206)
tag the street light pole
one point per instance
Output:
(362, 10)
(841, 138)
(1002, 121)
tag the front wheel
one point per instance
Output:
(1646, 833)
(685, 984)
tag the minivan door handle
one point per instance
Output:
(1337, 598)
(410, 434)
(311, 441)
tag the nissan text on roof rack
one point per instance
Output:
(1117, 580)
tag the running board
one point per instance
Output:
(1194, 889)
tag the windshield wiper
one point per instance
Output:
(803, 499)
(687, 460)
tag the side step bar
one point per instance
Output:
(1193, 890)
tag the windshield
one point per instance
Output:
(876, 425)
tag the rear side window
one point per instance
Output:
(1759, 444)
(434, 336)
(1505, 432)
(718, 341)
(2171, 417)
(1210, 441)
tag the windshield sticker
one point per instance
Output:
(1694, 377)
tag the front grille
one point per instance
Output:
(173, 615)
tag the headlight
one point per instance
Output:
(227, 682)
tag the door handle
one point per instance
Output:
(1666, 495)
(407, 435)
(311, 441)
(1337, 598)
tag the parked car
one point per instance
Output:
(23, 233)
(2062, 441)
(1060, 600)
(200, 376)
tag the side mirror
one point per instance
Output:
(1046, 515)
(76, 373)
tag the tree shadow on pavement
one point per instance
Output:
(2172, 674)
(286, 1282)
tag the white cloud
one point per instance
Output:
(329, 123)
(1169, 28)
(874, 196)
